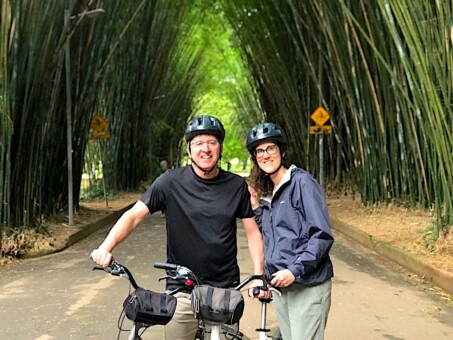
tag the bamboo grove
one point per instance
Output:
(382, 69)
(121, 62)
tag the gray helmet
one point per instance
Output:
(263, 132)
(204, 124)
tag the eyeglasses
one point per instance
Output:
(270, 150)
(211, 143)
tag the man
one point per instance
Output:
(163, 166)
(201, 203)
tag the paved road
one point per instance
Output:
(60, 297)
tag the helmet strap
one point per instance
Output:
(273, 172)
(206, 171)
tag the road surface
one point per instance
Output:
(60, 297)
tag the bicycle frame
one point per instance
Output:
(133, 333)
(180, 272)
(184, 274)
(262, 331)
(215, 332)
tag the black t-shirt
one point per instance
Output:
(201, 221)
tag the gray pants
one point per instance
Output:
(302, 311)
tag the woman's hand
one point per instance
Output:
(282, 278)
(254, 199)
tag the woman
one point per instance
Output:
(294, 221)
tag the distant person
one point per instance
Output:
(228, 166)
(94, 170)
(202, 203)
(294, 221)
(163, 166)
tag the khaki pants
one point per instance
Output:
(183, 325)
(302, 311)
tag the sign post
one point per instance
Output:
(319, 127)
(99, 131)
(67, 59)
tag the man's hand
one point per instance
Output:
(101, 257)
(282, 278)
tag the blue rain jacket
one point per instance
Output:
(295, 225)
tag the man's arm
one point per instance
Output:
(255, 244)
(120, 231)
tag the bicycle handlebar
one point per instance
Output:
(117, 269)
(166, 266)
(181, 273)
(250, 278)
(178, 272)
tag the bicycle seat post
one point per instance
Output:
(263, 330)
(215, 332)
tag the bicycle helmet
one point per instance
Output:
(204, 124)
(263, 132)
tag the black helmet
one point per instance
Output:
(204, 125)
(263, 132)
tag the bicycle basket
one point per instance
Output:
(149, 307)
(217, 305)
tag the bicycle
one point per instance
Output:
(185, 276)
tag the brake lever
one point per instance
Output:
(113, 268)
(270, 287)
(273, 289)
(99, 268)
(164, 277)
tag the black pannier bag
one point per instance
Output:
(149, 307)
(217, 305)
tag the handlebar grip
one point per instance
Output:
(166, 266)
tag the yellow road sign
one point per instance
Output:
(320, 116)
(320, 129)
(98, 128)
(98, 123)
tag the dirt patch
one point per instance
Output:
(407, 229)
(55, 231)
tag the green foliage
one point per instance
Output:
(225, 85)
(5, 120)
(429, 236)
(382, 69)
(147, 93)
(129, 65)
(93, 192)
